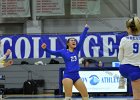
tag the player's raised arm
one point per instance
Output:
(8, 63)
(57, 53)
(82, 37)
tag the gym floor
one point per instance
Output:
(44, 97)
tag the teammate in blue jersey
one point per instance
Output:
(71, 74)
(129, 55)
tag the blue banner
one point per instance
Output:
(29, 46)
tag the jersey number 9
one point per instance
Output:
(135, 47)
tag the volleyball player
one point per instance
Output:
(129, 55)
(71, 74)
(2, 62)
(5, 64)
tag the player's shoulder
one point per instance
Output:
(63, 50)
(127, 37)
(124, 38)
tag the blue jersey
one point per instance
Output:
(71, 58)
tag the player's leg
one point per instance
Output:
(80, 86)
(68, 83)
(134, 76)
(136, 89)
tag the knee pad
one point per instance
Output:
(68, 98)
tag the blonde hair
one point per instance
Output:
(134, 25)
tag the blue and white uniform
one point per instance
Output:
(129, 57)
(71, 58)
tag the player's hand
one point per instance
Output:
(87, 26)
(8, 52)
(44, 46)
(8, 63)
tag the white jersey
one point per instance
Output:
(1, 59)
(129, 50)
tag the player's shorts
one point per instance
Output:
(73, 75)
(130, 71)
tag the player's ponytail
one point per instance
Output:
(134, 25)
(137, 23)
